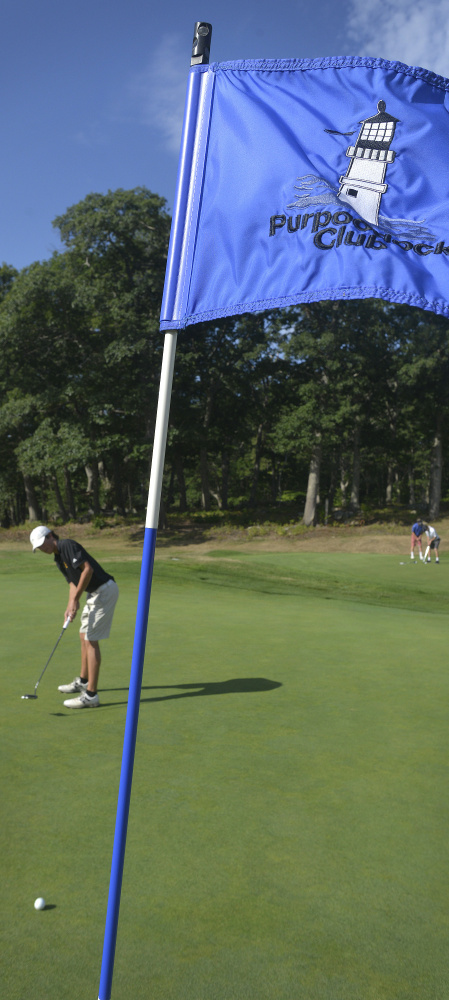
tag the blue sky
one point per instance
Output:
(93, 90)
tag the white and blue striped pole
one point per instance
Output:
(200, 54)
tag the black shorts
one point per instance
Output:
(435, 542)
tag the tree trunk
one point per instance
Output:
(313, 484)
(217, 497)
(17, 508)
(343, 480)
(43, 504)
(93, 485)
(275, 477)
(171, 487)
(355, 488)
(256, 466)
(204, 468)
(411, 486)
(6, 519)
(179, 469)
(331, 489)
(69, 493)
(96, 489)
(224, 479)
(162, 521)
(90, 478)
(34, 513)
(392, 491)
(58, 495)
(117, 475)
(390, 479)
(436, 470)
(104, 480)
(216, 493)
(204, 471)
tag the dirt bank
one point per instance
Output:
(127, 539)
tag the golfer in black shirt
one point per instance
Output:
(83, 574)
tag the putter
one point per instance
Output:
(33, 697)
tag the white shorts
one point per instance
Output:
(98, 611)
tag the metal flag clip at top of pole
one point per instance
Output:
(200, 54)
(201, 43)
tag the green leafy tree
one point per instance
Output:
(117, 246)
(80, 351)
(223, 391)
(41, 349)
(423, 379)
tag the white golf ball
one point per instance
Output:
(39, 903)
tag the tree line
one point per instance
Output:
(331, 405)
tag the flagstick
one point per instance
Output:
(200, 55)
(135, 683)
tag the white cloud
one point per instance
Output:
(414, 33)
(159, 91)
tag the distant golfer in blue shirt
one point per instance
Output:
(417, 530)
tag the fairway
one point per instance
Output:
(288, 827)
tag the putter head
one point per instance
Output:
(31, 697)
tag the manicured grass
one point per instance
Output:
(371, 579)
(289, 816)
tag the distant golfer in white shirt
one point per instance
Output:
(433, 543)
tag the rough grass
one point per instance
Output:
(387, 533)
(288, 826)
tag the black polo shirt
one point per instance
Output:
(71, 556)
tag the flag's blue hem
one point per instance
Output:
(331, 62)
(439, 306)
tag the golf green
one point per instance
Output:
(288, 826)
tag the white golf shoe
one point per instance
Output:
(84, 701)
(77, 685)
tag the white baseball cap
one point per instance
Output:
(38, 535)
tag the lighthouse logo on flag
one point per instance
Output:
(363, 184)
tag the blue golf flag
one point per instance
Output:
(302, 180)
